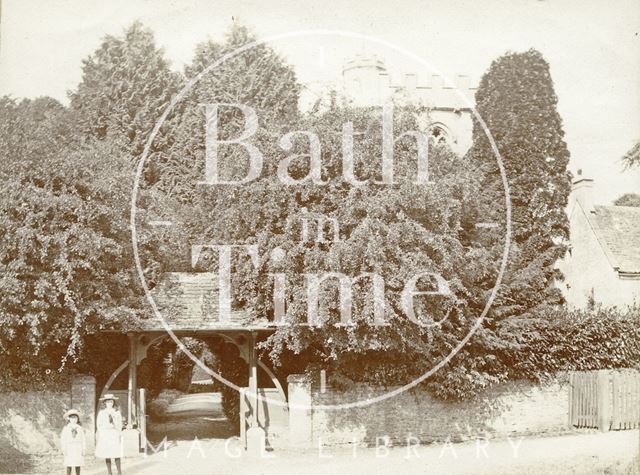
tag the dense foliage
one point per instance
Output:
(580, 340)
(517, 102)
(126, 85)
(62, 240)
(65, 251)
(66, 254)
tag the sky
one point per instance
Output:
(592, 46)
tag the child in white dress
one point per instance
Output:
(109, 434)
(72, 442)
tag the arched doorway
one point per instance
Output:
(197, 411)
(182, 401)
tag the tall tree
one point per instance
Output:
(65, 255)
(517, 101)
(257, 77)
(126, 85)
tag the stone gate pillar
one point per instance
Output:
(83, 398)
(300, 413)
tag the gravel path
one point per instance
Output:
(592, 453)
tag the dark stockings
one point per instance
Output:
(108, 461)
(77, 470)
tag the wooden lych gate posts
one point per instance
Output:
(267, 415)
(271, 414)
(189, 307)
(605, 399)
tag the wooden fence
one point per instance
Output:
(605, 399)
(625, 412)
(583, 399)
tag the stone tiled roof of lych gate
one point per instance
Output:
(618, 228)
(189, 301)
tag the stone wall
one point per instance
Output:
(30, 422)
(83, 398)
(508, 409)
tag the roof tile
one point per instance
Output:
(618, 228)
(189, 301)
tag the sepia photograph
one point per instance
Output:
(288, 237)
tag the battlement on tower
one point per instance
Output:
(367, 82)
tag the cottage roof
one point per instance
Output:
(617, 229)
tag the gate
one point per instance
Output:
(584, 399)
(626, 400)
(605, 399)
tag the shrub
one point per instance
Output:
(561, 340)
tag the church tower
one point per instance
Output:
(367, 83)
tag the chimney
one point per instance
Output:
(582, 192)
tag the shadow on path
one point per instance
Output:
(188, 427)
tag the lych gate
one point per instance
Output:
(188, 303)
